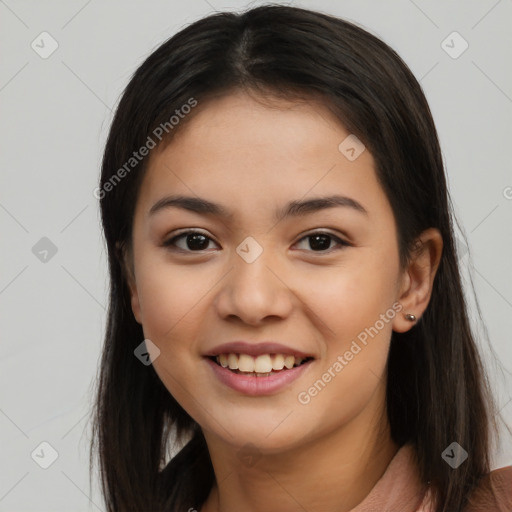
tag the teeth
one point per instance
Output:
(233, 362)
(278, 362)
(261, 366)
(289, 361)
(245, 363)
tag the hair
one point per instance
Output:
(437, 388)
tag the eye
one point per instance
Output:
(321, 240)
(194, 241)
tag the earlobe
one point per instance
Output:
(418, 279)
(134, 299)
(400, 323)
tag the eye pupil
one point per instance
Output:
(319, 242)
(195, 237)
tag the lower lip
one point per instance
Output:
(256, 386)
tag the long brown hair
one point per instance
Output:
(437, 391)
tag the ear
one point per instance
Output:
(417, 280)
(126, 260)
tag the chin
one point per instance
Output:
(266, 435)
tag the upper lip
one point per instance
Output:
(255, 349)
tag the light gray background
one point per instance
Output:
(55, 114)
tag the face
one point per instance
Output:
(320, 282)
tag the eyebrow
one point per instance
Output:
(295, 208)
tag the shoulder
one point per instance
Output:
(494, 492)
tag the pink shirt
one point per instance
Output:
(400, 489)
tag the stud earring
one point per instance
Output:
(409, 316)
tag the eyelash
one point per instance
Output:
(170, 244)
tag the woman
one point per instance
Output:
(286, 311)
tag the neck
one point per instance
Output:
(332, 474)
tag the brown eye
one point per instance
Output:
(321, 241)
(194, 241)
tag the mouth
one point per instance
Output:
(263, 365)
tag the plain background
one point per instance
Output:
(55, 114)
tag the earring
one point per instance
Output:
(409, 316)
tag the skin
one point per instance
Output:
(252, 158)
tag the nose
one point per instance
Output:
(254, 291)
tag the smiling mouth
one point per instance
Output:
(263, 365)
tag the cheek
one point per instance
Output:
(173, 300)
(349, 298)
(353, 366)
(170, 298)
(172, 314)
(353, 308)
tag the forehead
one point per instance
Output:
(246, 121)
(254, 155)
